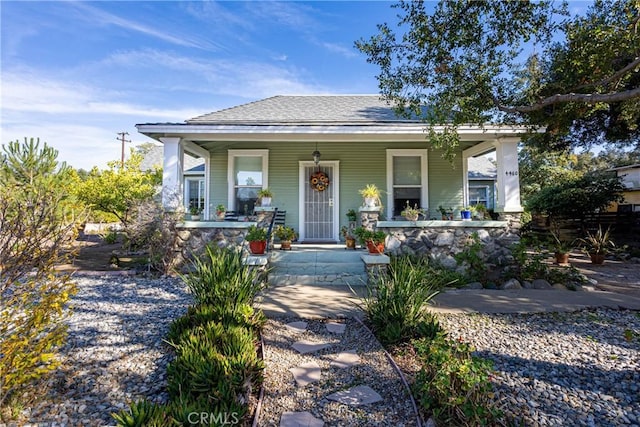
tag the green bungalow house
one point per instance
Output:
(283, 142)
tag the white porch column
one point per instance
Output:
(172, 174)
(508, 180)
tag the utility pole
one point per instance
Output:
(121, 136)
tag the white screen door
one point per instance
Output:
(319, 205)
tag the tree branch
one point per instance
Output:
(633, 64)
(586, 98)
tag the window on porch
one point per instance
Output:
(407, 176)
(479, 195)
(194, 193)
(248, 169)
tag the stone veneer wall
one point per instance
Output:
(192, 240)
(441, 240)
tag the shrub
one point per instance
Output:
(220, 278)
(36, 227)
(396, 303)
(452, 384)
(216, 363)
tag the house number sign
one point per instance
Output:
(511, 173)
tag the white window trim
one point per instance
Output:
(424, 191)
(487, 194)
(232, 154)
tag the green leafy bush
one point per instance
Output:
(220, 278)
(575, 197)
(453, 384)
(396, 303)
(144, 413)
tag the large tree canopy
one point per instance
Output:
(518, 62)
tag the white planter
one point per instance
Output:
(370, 202)
(265, 201)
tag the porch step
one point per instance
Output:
(317, 266)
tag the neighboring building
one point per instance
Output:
(482, 181)
(360, 141)
(631, 179)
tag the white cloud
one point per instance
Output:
(101, 17)
(243, 78)
(30, 93)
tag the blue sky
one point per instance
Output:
(77, 73)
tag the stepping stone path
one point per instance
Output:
(300, 419)
(360, 395)
(310, 372)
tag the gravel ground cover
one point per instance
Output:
(282, 395)
(551, 368)
(115, 352)
(560, 369)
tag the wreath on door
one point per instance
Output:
(319, 181)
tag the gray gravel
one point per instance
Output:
(559, 369)
(115, 352)
(551, 369)
(281, 393)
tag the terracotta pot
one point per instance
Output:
(597, 258)
(285, 245)
(258, 247)
(350, 242)
(562, 257)
(375, 248)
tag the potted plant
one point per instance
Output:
(195, 213)
(257, 238)
(264, 197)
(411, 213)
(220, 211)
(447, 214)
(597, 245)
(374, 240)
(465, 213)
(352, 216)
(561, 248)
(480, 211)
(371, 195)
(349, 238)
(286, 235)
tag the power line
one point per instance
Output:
(121, 136)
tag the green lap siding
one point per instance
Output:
(361, 163)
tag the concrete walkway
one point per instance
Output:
(311, 301)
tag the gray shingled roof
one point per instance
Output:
(481, 168)
(301, 109)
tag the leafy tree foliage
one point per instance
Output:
(120, 189)
(35, 229)
(576, 197)
(501, 61)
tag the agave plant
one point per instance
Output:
(599, 242)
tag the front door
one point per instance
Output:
(319, 202)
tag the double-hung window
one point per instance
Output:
(406, 179)
(194, 193)
(479, 194)
(247, 175)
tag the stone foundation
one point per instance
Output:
(192, 237)
(441, 240)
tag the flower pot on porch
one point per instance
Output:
(597, 258)
(258, 247)
(466, 215)
(265, 201)
(375, 248)
(285, 245)
(350, 242)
